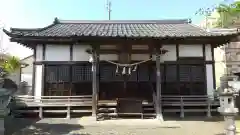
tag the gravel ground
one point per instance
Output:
(73, 127)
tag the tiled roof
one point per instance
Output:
(116, 28)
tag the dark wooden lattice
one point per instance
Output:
(57, 80)
(171, 73)
(88, 73)
(185, 73)
(107, 72)
(197, 73)
(51, 74)
(125, 105)
(133, 76)
(78, 73)
(143, 73)
(82, 73)
(63, 73)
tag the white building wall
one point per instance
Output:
(208, 53)
(109, 57)
(190, 51)
(57, 53)
(138, 57)
(38, 80)
(27, 72)
(171, 55)
(39, 52)
(80, 54)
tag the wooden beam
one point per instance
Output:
(213, 68)
(34, 72)
(70, 71)
(43, 52)
(204, 67)
(97, 73)
(43, 69)
(114, 51)
(158, 85)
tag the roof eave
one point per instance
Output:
(8, 33)
(24, 39)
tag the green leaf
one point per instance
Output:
(11, 64)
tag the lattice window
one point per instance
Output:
(197, 73)
(185, 73)
(51, 74)
(64, 73)
(78, 73)
(88, 73)
(57, 81)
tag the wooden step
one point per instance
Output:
(107, 109)
(148, 109)
(171, 110)
(107, 114)
(81, 111)
(149, 114)
(27, 111)
(55, 111)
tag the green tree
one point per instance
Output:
(206, 12)
(229, 14)
(9, 65)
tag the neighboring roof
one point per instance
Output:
(223, 30)
(115, 28)
(27, 57)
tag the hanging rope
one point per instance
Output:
(125, 66)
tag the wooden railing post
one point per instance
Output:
(181, 107)
(209, 107)
(68, 109)
(40, 112)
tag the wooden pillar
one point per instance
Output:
(98, 73)
(158, 86)
(94, 82)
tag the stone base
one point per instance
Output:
(229, 113)
(160, 118)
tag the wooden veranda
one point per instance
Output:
(69, 105)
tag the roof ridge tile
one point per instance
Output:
(169, 21)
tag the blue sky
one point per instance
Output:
(39, 13)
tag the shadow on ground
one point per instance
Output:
(194, 118)
(20, 126)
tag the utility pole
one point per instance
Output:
(109, 8)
